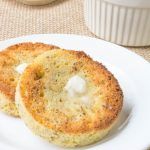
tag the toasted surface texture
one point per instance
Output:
(47, 109)
(10, 58)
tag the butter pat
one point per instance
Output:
(20, 68)
(85, 100)
(75, 86)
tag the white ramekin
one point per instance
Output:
(124, 22)
(35, 2)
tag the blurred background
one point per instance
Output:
(60, 16)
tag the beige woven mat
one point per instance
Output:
(62, 16)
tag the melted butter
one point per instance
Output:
(76, 88)
(21, 67)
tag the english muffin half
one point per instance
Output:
(13, 60)
(69, 99)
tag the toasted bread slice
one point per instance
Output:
(10, 58)
(68, 120)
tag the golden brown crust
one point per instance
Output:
(49, 74)
(10, 58)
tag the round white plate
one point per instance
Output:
(133, 73)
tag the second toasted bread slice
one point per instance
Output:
(13, 60)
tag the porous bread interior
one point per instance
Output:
(55, 137)
(7, 106)
(73, 133)
(10, 58)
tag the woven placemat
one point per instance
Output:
(61, 16)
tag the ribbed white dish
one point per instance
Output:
(120, 24)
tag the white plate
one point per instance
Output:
(133, 73)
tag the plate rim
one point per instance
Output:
(125, 50)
